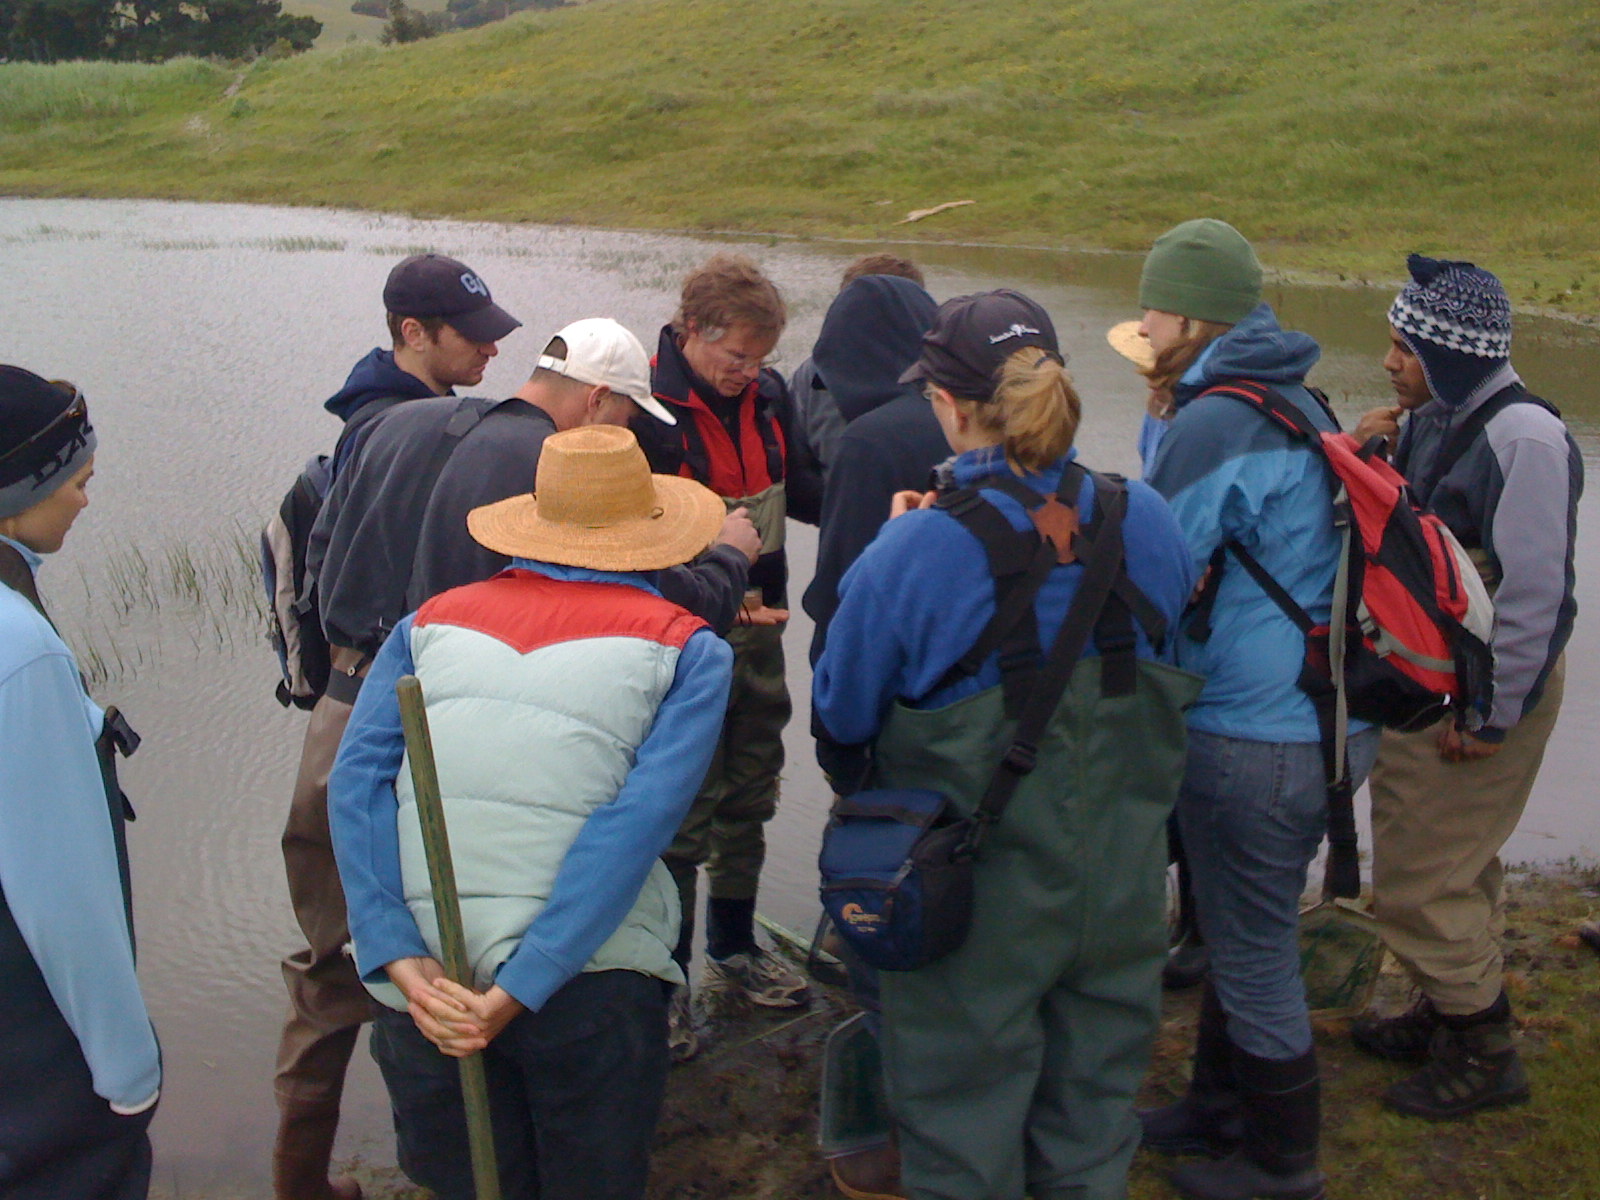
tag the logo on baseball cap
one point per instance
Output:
(971, 338)
(600, 352)
(435, 285)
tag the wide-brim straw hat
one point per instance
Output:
(597, 505)
(1126, 340)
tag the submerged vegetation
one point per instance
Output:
(1335, 140)
(209, 590)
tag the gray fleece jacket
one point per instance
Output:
(1513, 494)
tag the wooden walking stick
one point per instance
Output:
(447, 906)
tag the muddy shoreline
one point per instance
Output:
(740, 1121)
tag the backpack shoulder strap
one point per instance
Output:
(771, 395)
(468, 412)
(356, 422)
(1019, 560)
(1272, 404)
(1462, 437)
(1104, 561)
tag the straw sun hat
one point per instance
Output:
(598, 506)
(1126, 341)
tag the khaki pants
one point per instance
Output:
(1437, 830)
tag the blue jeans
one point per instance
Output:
(1253, 815)
(574, 1093)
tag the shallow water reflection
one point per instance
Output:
(206, 336)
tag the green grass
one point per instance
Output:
(1336, 136)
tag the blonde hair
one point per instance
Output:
(1034, 412)
(1171, 363)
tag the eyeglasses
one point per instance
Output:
(77, 410)
(747, 363)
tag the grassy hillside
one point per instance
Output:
(1336, 135)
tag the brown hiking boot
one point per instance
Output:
(869, 1174)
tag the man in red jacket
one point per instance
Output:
(732, 434)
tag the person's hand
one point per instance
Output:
(760, 614)
(439, 1017)
(739, 531)
(487, 1015)
(1456, 745)
(903, 502)
(1379, 422)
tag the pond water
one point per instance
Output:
(206, 337)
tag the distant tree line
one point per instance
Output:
(148, 30)
(406, 24)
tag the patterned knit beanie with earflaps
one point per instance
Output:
(1457, 320)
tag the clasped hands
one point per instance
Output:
(458, 1020)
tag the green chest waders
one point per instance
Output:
(769, 510)
(1037, 1031)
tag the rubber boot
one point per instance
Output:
(1209, 1119)
(302, 1153)
(1277, 1160)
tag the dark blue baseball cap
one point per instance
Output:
(971, 338)
(435, 285)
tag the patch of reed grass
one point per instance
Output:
(209, 590)
(34, 93)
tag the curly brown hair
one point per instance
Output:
(727, 290)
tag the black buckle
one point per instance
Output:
(123, 735)
(1123, 641)
(1021, 758)
(1018, 660)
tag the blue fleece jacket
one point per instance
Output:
(375, 377)
(1231, 474)
(58, 859)
(921, 594)
(605, 866)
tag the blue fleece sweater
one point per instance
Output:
(604, 868)
(1231, 474)
(58, 859)
(921, 594)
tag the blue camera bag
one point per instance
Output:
(897, 864)
(897, 876)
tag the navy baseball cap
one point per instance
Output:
(435, 285)
(971, 338)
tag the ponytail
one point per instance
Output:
(1034, 412)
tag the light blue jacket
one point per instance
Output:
(1230, 473)
(58, 859)
(569, 743)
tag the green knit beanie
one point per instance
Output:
(1203, 270)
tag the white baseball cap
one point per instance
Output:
(600, 352)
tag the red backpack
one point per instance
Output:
(1414, 640)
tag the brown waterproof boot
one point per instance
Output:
(301, 1155)
(872, 1173)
